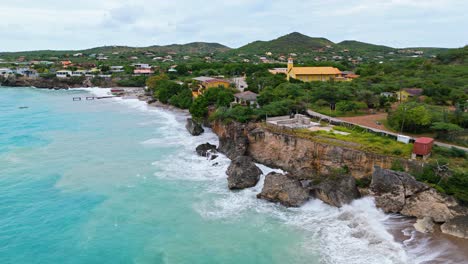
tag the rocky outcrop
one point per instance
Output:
(56, 83)
(194, 128)
(336, 190)
(399, 192)
(424, 225)
(206, 150)
(242, 173)
(458, 226)
(283, 189)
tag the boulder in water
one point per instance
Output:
(206, 150)
(194, 128)
(243, 173)
(283, 189)
(457, 226)
(336, 190)
(424, 225)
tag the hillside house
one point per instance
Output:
(5, 72)
(247, 98)
(407, 93)
(309, 74)
(116, 69)
(143, 71)
(78, 73)
(278, 71)
(204, 83)
(63, 74)
(27, 72)
(141, 65)
(66, 63)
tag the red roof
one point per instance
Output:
(424, 140)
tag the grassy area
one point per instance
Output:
(357, 139)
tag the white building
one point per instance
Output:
(63, 74)
(117, 69)
(141, 65)
(78, 73)
(5, 72)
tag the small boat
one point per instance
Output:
(23, 107)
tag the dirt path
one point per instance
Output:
(368, 120)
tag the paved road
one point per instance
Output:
(377, 130)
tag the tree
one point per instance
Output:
(444, 129)
(153, 81)
(347, 106)
(410, 117)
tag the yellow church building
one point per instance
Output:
(310, 74)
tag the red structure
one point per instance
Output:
(423, 147)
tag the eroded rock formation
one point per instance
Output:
(242, 173)
(284, 189)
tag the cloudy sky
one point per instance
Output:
(78, 24)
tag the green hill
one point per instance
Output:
(291, 43)
(190, 48)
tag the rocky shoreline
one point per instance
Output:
(311, 173)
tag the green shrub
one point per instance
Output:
(397, 166)
(363, 182)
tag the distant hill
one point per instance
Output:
(295, 42)
(291, 43)
(190, 48)
(362, 46)
(454, 56)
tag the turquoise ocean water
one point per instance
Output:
(112, 181)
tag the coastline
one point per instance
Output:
(178, 111)
(401, 229)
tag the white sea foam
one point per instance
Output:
(355, 233)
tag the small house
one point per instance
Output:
(205, 83)
(63, 74)
(78, 73)
(246, 98)
(143, 71)
(407, 93)
(116, 69)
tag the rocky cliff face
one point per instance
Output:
(300, 156)
(312, 171)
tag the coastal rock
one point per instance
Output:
(457, 226)
(194, 128)
(391, 188)
(232, 140)
(336, 190)
(424, 225)
(399, 192)
(206, 150)
(283, 189)
(243, 173)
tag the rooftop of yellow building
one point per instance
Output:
(315, 70)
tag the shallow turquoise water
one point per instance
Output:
(94, 182)
(112, 181)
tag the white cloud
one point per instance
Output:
(71, 24)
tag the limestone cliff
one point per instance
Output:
(301, 156)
